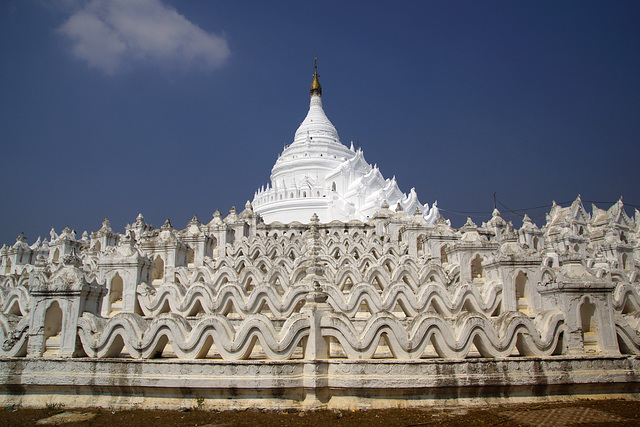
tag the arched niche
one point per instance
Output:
(214, 246)
(420, 245)
(52, 329)
(444, 259)
(625, 262)
(115, 294)
(158, 269)
(522, 293)
(588, 322)
(536, 243)
(191, 256)
(477, 271)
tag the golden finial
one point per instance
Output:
(316, 87)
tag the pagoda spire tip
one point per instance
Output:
(316, 87)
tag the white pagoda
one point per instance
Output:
(316, 173)
(339, 314)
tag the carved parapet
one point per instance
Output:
(319, 291)
(57, 304)
(200, 246)
(588, 309)
(121, 269)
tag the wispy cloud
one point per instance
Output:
(113, 35)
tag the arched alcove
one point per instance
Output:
(7, 268)
(115, 294)
(522, 293)
(97, 247)
(625, 262)
(52, 329)
(158, 269)
(15, 309)
(214, 247)
(444, 259)
(536, 243)
(477, 271)
(588, 321)
(56, 255)
(191, 256)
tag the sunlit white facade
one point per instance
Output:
(316, 173)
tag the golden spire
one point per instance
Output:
(316, 87)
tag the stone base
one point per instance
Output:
(302, 384)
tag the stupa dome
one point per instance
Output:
(317, 174)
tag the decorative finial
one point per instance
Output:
(316, 87)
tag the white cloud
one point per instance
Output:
(111, 35)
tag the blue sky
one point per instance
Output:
(176, 108)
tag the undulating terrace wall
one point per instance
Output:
(389, 312)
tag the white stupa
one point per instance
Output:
(316, 173)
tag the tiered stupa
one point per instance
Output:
(316, 173)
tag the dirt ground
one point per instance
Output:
(603, 413)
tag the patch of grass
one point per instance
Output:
(54, 406)
(199, 402)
